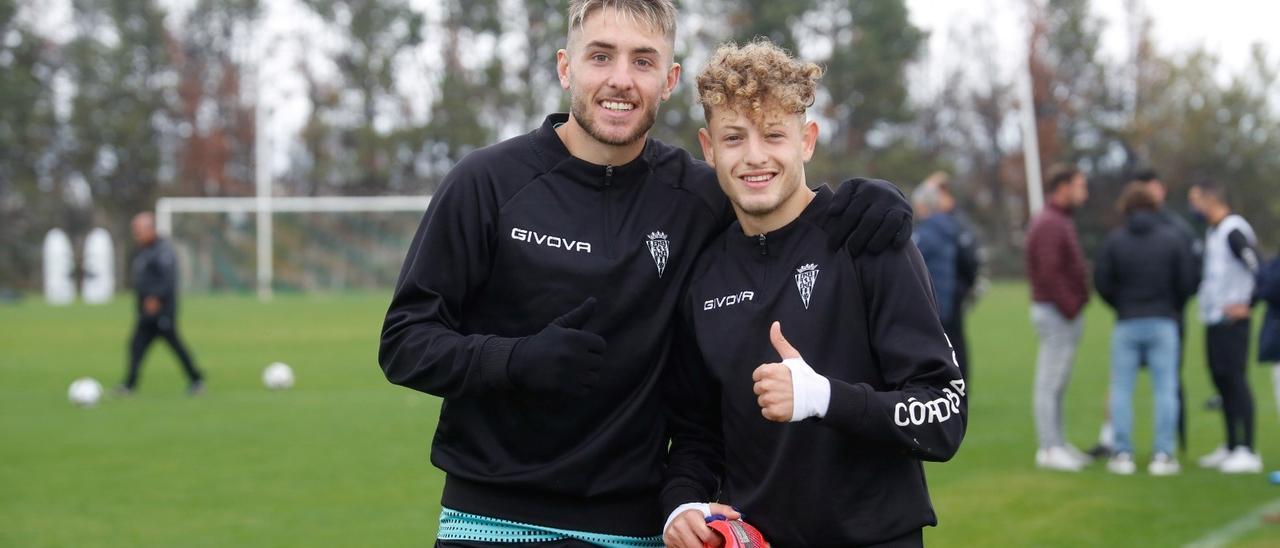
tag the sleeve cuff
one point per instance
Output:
(848, 405)
(494, 355)
(681, 493)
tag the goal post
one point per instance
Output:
(266, 209)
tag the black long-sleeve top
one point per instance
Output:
(520, 233)
(870, 326)
(154, 273)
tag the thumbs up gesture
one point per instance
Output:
(791, 390)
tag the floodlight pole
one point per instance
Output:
(1030, 136)
(262, 180)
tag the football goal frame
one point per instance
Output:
(265, 206)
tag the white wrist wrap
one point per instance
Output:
(703, 507)
(810, 392)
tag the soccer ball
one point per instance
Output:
(85, 392)
(277, 376)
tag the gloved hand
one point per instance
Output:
(868, 215)
(563, 358)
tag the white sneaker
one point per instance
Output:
(1163, 465)
(1057, 458)
(1242, 461)
(1080, 456)
(1214, 459)
(1121, 464)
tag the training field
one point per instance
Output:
(341, 459)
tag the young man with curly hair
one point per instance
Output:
(537, 297)
(817, 436)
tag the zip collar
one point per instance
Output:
(556, 158)
(764, 245)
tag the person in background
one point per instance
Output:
(1268, 291)
(951, 252)
(154, 273)
(1144, 272)
(1151, 182)
(1225, 296)
(1059, 291)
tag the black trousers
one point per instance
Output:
(1227, 345)
(144, 332)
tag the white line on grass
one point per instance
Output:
(1237, 528)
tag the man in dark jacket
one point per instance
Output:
(819, 433)
(1059, 291)
(1144, 272)
(1150, 181)
(950, 251)
(155, 280)
(538, 295)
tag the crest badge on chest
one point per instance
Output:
(806, 278)
(659, 249)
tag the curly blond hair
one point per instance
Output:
(754, 77)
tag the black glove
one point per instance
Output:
(868, 215)
(562, 358)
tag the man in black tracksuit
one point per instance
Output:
(538, 295)
(824, 448)
(154, 274)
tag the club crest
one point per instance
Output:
(806, 277)
(659, 249)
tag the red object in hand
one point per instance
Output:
(736, 533)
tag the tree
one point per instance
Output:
(355, 140)
(30, 136)
(215, 125)
(123, 110)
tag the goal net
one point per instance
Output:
(290, 244)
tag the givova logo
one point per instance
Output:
(729, 300)
(526, 235)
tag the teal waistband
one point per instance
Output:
(455, 525)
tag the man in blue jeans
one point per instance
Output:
(1143, 271)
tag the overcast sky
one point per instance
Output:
(1227, 27)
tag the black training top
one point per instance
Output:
(154, 272)
(867, 324)
(520, 233)
(1145, 269)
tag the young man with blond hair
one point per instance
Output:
(537, 296)
(818, 434)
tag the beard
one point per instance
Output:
(581, 110)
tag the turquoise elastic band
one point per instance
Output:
(455, 525)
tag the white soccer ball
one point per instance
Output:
(85, 392)
(277, 376)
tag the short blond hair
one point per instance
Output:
(756, 76)
(659, 15)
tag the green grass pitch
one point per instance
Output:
(341, 459)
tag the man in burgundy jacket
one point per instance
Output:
(1059, 291)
